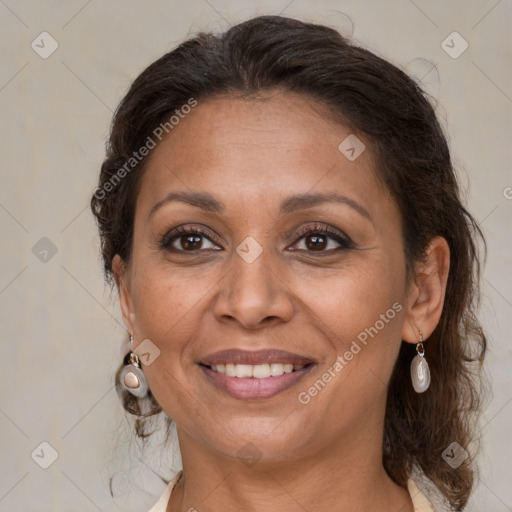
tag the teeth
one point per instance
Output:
(258, 371)
(243, 370)
(230, 369)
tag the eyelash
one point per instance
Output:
(344, 241)
(339, 237)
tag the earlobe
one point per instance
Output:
(123, 287)
(427, 291)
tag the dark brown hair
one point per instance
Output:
(375, 99)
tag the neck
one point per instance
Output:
(347, 476)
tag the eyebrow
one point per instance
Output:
(201, 200)
(303, 201)
(291, 204)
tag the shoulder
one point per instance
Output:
(419, 500)
(161, 504)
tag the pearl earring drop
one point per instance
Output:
(420, 372)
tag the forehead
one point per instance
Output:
(243, 149)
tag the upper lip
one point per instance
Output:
(268, 356)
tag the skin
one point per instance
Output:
(250, 155)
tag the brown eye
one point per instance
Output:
(322, 239)
(188, 239)
(190, 242)
(316, 242)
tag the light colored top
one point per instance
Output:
(420, 502)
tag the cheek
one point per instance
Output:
(360, 311)
(170, 307)
(353, 298)
(168, 312)
(162, 303)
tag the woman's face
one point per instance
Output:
(299, 261)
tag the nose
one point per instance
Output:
(253, 294)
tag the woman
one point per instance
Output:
(281, 217)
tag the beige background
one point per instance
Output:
(59, 329)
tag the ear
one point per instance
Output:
(427, 291)
(122, 279)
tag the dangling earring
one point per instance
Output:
(132, 377)
(420, 372)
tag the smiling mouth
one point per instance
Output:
(255, 382)
(256, 371)
(255, 375)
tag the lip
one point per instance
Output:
(236, 356)
(251, 388)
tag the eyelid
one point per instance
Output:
(317, 227)
(339, 236)
(182, 229)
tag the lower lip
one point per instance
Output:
(252, 388)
